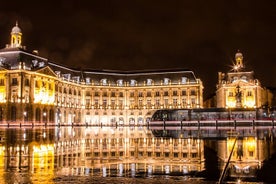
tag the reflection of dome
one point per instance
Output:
(16, 29)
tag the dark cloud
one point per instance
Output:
(132, 35)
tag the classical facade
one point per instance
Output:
(240, 89)
(34, 89)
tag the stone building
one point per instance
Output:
(240, 89)
(34, 89)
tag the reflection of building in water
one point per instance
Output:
(248, 155)
(126, 149)
(27, 150)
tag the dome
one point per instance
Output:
(238, 55)
(16, 29)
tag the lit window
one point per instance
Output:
(14, 81)
(104, 82)
(87, 80)
(166, 81)
(149, 82)
(120, 82)
(133, 82)
(184, 80)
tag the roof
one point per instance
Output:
(11, 57)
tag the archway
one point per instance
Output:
(37, 114)
(13, 113)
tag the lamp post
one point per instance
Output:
(24, 116)
(44, 117)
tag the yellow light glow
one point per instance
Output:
(44, 92)
(251, 144)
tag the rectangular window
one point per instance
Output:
(2, 82)
(104, 103)
(166, 93)
(27, 82)
(148, 94)
(157, 102)
(174, 93)
(184, 93)
(175, 102)
(166, 102)
(149, 103)
(140, 94)
(14, 81)
(140, 103)
(157, 93)
(193, 92)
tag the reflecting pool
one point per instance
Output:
(135, 155)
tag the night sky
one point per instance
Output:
(202, 36)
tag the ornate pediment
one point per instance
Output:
(47, 71)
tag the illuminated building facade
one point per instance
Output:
(33, 89)
(239, 88)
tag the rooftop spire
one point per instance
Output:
(16, 36)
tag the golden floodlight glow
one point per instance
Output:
(251, 144)
(2, 156)
(43, 155)
(44, 92)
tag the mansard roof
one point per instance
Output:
(140, 76)
(11, 57)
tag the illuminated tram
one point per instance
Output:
(179, 116)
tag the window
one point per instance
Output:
(120, 82)
(133, 82)
(140, 94)
(184, 80)
(131, 94)
(27, 82)
(148, 94)
(104, 103)
(157, 93)
(149, 103)
(174, 93)
(87, 80)
(166, 102)
(112, 94)
(149, 82)
(121, 94)
(231, 94)
(166, 81)
(249, 93)
(157, 102)
(166, 93)
(2, 82)
(104, 82)
(175, 102)
(193, 92)
(184, 93)
(14, 81)
(140, 102)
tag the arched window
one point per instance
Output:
(51, 115)
(13, 113)
(1, 114)
(37, 114)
